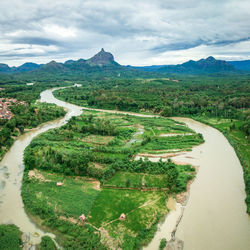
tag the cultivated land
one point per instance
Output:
(93, 156)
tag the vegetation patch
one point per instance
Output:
(139, 207)
(10, 237)
(123, 179)
(73, 198)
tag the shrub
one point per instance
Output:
(10, 237)
(47, 244)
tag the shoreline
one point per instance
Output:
(27, 130)
(237, 151)
(181, 201)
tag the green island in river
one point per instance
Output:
(92, 157)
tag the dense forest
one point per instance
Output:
(220, 97)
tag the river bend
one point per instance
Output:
(214, 218)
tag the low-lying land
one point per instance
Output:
(91, 158)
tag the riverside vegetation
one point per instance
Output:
(11, 239)
(93, 156)
(27, 115)
(201, 97)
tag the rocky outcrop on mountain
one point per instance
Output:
(102, 58)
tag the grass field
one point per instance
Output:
(135, 180)
(123, 179)
(73, 198)
(139, 207)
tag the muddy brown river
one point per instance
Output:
(11, 173)
(214, 218)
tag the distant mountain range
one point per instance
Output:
(23, 68)
(203, 66)
(103, 62)
(241, 65)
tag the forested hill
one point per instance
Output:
(203, 66)
(103, 64)
(241, 65)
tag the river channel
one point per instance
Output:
(215, 215)
(11, 172)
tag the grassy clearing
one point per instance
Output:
(97, 139)
(155, 181)
(123, 179)
(112, 203)
(75, 197)
(132, 180)
(145, 180)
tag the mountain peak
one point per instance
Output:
(210, 58)
(102, 58)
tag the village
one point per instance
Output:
(5, 112)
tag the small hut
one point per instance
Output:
(122, 216)
(82, 218)
(59, 184)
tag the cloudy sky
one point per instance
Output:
(142, 32)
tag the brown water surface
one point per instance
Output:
(215, 217)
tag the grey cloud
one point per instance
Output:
(35, 40)
(141, 29)
(177, 46)
(184, 46)
(226, 42)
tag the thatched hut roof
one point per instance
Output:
(122, 216)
